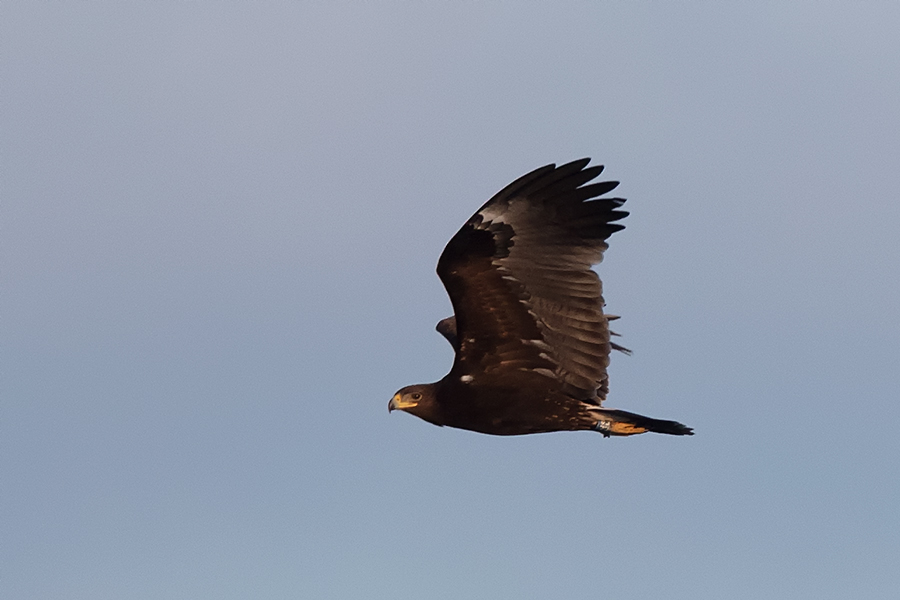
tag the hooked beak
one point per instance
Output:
(398, 403)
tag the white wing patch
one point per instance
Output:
(539, 344)
(491, 214)
(544, 372)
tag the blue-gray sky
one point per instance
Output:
(219, 231)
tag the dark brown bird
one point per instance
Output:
(532, 342)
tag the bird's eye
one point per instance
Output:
(417, 396)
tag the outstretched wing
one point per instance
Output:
(519, 277)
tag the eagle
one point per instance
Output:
(531, 340)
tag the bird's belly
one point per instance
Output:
(516, 415)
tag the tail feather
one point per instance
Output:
(619, 422)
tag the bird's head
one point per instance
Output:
(417, 400)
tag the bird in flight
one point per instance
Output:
(531, 339)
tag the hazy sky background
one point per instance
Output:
(219, 231)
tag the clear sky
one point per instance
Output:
(219, 231)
